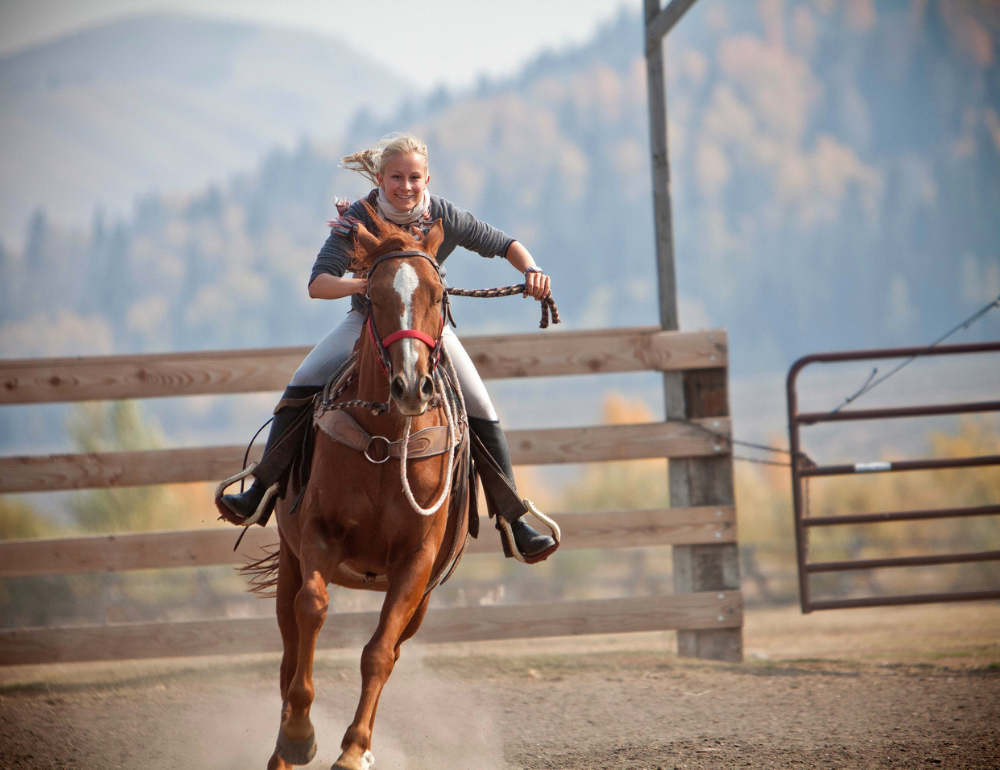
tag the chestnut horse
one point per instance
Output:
(357, 524)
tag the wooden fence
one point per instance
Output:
(226, 372)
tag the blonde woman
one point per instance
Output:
(398, 168)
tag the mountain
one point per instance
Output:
(836, 178)
(165, 103)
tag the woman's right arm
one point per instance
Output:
(327, 286)
(328, 279)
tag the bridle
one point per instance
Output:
(382, 344)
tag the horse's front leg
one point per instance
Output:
(411, 629)
(296, 738)
(404, 598)
(289, 583)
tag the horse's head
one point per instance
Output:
(405, 320)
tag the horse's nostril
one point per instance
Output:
(396, 389)
(426, 386)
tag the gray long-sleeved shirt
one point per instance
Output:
(460, 229)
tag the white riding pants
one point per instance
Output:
(336, 346)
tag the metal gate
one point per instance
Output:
(803, 468)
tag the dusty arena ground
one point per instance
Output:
(901, 688)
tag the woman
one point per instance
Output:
(398, 168)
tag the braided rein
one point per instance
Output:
(548, 303)
(328, 399)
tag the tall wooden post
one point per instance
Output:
(701, 393)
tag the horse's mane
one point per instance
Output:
(390, 238)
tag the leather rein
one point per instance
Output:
(382, 344)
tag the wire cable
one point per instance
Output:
(873, 383)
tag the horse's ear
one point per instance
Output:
(365, 240)
(434, 238)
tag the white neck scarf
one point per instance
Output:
(387, 211)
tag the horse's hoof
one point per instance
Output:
(344, 763)
(296, 752)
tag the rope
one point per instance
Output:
(732, 441)
(548, 303)
(761, 462)
(449, 470)
(871, 383)
(246, 455)
(377, 408)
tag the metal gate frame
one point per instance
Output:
(803, 468)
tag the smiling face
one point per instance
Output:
(404, 179)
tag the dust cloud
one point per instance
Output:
(228, 720)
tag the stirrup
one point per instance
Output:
(270, 493)
(553, 528)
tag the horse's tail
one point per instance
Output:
(263, 573)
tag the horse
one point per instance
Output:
(386, 506)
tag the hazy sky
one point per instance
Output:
(431, 42)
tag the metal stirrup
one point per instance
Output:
(271, 492)
(553, 527)
(233, 479)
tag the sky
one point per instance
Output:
(432, 43)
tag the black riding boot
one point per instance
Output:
(506, 503)
(284, 441)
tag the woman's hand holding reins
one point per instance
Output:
(536, 283)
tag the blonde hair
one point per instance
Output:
(371, 163)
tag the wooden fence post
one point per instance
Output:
(705, 481)
(687, 395)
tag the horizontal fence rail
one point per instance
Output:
(213, 547)
(812, 418)
(899, 601)
(803, 468)
(704, 610)
(898, 466)
(881, 518)
(47, 473)
(38, 381)
(230, 372)
(903, 561)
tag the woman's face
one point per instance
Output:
(404, 179)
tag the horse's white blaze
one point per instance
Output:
(405, 283)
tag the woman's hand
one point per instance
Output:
(536, 284)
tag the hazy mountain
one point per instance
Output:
(165, 103)
(836, 181)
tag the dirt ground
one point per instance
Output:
(901, 688)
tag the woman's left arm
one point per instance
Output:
(536, 284)
(487, 241)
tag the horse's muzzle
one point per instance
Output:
(413, 395)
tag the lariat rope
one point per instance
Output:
(445, 401)
(548, 303)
